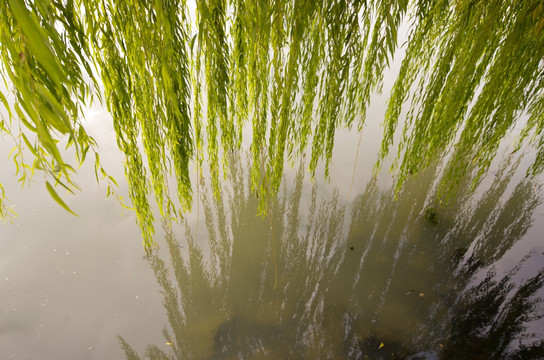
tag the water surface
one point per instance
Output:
(336, 270)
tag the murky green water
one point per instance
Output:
(335, 271)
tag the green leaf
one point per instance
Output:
(5, 102)
(48, 142)
(23, 119)
(29, 145)
(57, 198)
(64, 124)
(36, 40)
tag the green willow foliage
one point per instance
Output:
(295, 70)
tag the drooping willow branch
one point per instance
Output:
(294, 71)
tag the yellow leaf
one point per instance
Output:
(169, 344)
(381, 345)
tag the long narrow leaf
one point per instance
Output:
(57, 198)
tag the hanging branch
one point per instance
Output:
(294, 71)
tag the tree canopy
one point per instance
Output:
(181, 86)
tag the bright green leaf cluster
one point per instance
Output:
(292, 70)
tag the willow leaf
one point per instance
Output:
(37, 40)
(57, 198)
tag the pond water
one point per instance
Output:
(336, 270)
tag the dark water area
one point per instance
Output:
(378, 279)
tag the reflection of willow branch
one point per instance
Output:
(176, 317)
(482, 232)
(129, 351)
(404, 248)
(507, 223)
(290, 249)
(318, 258)
(190, 318)
(380, 230)
(482, 218)
(334, 295)
(479, 328)
(220, 249)
(245, 275)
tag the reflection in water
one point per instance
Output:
(411, 279)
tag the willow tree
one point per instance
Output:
(294, 71)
